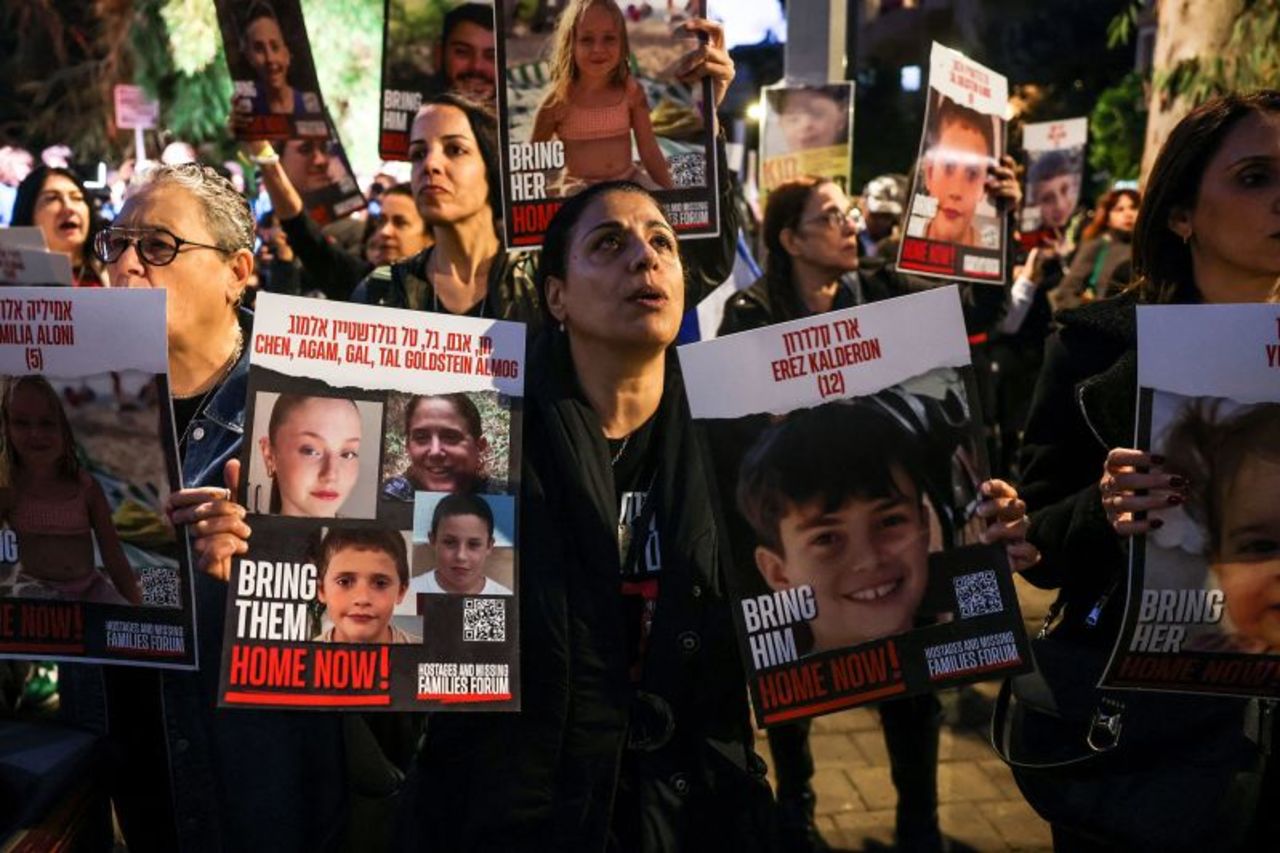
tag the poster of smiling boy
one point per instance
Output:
(806, 130)
(954, 229)
(596, 98)
(360, 420)
(1203, 604)
(847, 460)
(277, 93)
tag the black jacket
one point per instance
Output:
(1084, 405)
(546, 778)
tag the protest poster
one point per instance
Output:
(277, 93)
(1203, 606)
(563, 126)
(320, 171)
(429, 47)
(133, 109)
(379, 464)
(806, 130)
(90, 569)
(1055, 168)
(848, 455)
(25, 259)
(954, 229)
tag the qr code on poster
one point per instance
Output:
(160, 586)
(978, 594)
(484, 620)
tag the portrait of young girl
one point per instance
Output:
(1230, 460)
(57, 510)
(314, 456)
(595, 106)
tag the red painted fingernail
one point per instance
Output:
(1157, 523)
(1178, 481)
(1174, 500)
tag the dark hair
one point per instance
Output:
(1052, 164)
(1098, 226)
(28, 193)
(484, 127)
(555, 241)
(782, 211)
(257, 9)
(1210, 449)
(782, 97)
(401, 188)
(1161, 261)
(949, 112)
(470, 13)
(68, 465)
(862, 441)
(462, 404)
(280, 411)
(460, 503)
(389, 542)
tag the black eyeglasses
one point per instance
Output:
(156, 247)
(837, 218)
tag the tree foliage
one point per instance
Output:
(1249, 60)
(1116, 129)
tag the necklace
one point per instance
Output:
(217, 382)
(621, 449)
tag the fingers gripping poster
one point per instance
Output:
(848, 456)
(954, 227)
(90, 568)
(380, 474)
(594, 96)
(1203, 605)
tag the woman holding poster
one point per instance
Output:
(632, 735)
(1205, 234)
(453, 148)
(190, 777)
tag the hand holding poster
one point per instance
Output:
(849, 458)
(954, 228)
(1203, 613)
(277, 94)
(428, 47)
(378, 477)
(89, 567)
(571, 118)
(1055, 167)
(806, 130)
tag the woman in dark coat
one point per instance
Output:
(1205, 234)
(633, 731)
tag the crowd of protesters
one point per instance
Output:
(576, 768)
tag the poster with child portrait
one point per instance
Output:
(379, 472)
(320, 171)
(848, 458)
(1055, 169)
(430, 47)
(806, 130)
(954, 229)
(277, 93)
(593, 96)
(90, 567)
(1203, 604)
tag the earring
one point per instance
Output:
(1186, 239)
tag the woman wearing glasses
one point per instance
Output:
(191, 777)
(811, 267)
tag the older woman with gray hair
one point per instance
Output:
(189, 776)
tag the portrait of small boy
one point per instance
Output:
(808, 118)
(363, 573)
(1053, 186)
(954, 170)
(461, 537)
(837, 498)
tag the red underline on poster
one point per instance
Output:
(459, 698)
(41, 648)
(944, 268)
(835, 704)
(320, 700)
(976, 670)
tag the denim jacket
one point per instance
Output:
(242, 779)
